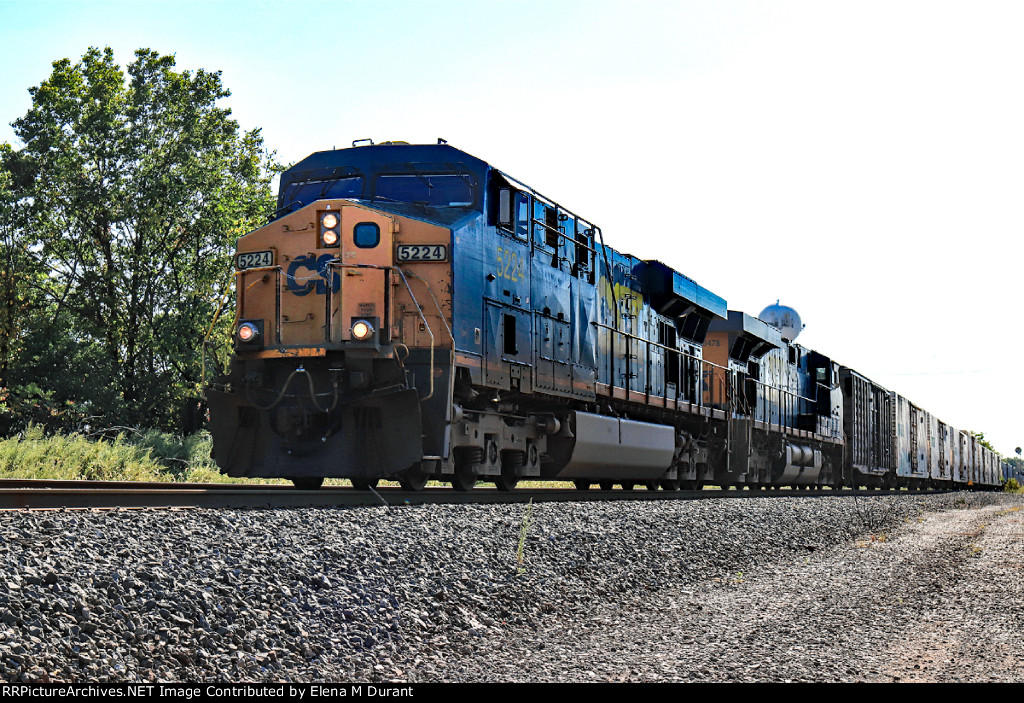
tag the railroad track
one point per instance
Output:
(38, 494)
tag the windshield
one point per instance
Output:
(300, 192)
(432, 189)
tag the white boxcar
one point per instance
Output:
(911, 441)
(955, 447)
(974, 474)
(964, 454)
(944, 446)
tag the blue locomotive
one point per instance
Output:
(412, 313)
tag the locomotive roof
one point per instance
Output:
(312, 178)
(369, 158)
(762, 336)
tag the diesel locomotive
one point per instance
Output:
(412, 313)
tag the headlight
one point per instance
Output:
(362, 330)
(330, 229)
(247, 332)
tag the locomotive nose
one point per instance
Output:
(363, 314)
(317, 280)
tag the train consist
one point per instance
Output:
(412, 313)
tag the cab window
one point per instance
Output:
(522, 215)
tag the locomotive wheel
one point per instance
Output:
(582, 485)
(413, 479)
(466, 460)
(627, 485)
(463, 480)
(364, 484)
(605, 485)
(651, 485)
(506, 483)
(512, 461)
(308, 483)
(670, 484)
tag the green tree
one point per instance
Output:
(22, 307)
(15, 261)
(140, 185)
(984, 442)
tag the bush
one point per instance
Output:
(123, 454)
(33, 454)
(187, 458)
(30, 404)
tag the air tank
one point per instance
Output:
(784, 318)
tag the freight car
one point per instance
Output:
(412, 313)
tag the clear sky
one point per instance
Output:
(862, 161)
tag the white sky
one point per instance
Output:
(861, 161)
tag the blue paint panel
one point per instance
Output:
(711, 302)
(665, 285)
(468, 277)
(356, 173)
(684, 287)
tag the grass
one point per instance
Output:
(872, 540)
(134, 455)
(34, 455)
(147, 455)
(130, 456)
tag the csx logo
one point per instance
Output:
(311, 274)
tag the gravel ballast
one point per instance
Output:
(752, 589)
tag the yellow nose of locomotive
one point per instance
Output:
(343, 332)
(314, 280)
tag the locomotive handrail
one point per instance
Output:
(209, 331)
(780, 391)
(257, 269)
(778, 411)
(674, 350)
(283, 207)
(787, 392)
(548, 201)
(712, 366)
(440, 314)
(437, 306)
(426, 325)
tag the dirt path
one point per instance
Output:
(974, 631)
(938, 600)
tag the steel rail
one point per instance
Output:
(18, 494)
